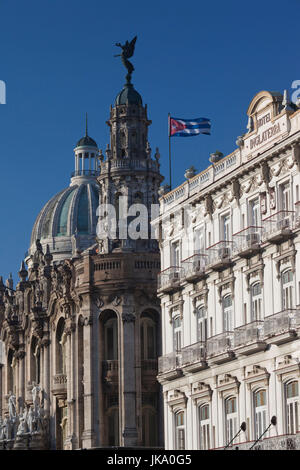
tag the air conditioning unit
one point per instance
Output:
(224, 252)
(175, 276)
(285, 223)
(297, 221)
(252, 238)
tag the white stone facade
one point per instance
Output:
(230, 290)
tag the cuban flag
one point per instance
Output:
(188, 127)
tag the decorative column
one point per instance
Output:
(88, 433)
(128, 400)
(71, 436)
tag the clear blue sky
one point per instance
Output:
(192, 59)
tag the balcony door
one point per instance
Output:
(260, 412)
(292, 407)
(225, 227)
(231, 418)
(201, 324)
(177, 333)
(204, 427)
(254, 213)
(175, 254)
(256, 302)
(179, 431)
(227, 313)
(285, 195)
(287, 285)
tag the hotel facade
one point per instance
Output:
(230, 290)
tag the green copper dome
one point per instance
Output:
(128, 96)
(86, 141)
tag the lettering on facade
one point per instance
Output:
(264, 136)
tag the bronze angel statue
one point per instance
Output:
(127, 52)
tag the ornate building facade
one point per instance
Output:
(230, 291)
(83, 324)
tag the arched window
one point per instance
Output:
(148, 339)
(260, 412)
(256, 302)
(177, 333)
(10, 372)
(292, 407)
(35, 361)
(149, 427)
(61, 348)
(287, 289)
(227, 313)
(201, 324)
(179, 431)
(204, 427)
(111, 339)
(230, 418)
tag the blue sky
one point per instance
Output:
(192, 59)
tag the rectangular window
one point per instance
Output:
(225, 227)
(175, 254)
(285, 197)
(254, 218)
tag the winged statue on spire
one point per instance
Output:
(127, 52)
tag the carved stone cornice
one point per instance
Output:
(228, 383)
(288, 368)
(257, 376)
(201, 392)
(177, 399)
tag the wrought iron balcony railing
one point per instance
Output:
(247, 240)
(169, 278)
(194, 266)
(278, 225)
(220, 253)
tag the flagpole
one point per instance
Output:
(170, 168)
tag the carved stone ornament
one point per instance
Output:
(296, 155)
(288, 368)
(228, 383)
(99, 302)
(88, 321)
(177, 399)
(257, 376)
(128, 317)
(209, 205)
(201, 392)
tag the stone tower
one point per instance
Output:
(83, 324)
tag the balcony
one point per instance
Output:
(59, 386)
(278, 227)
(283, 442)
(193, 268)
(249, 338)
(281, 327)
(220, 255)
(169, 366)
(110, 371)
(247, 241)
(194, 357)
(220, 348)
(297, 214)
(169, 279)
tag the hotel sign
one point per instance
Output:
(265, 135)
(267, 130)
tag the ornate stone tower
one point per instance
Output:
(83, 324)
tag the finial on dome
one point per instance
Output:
(86, 125)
